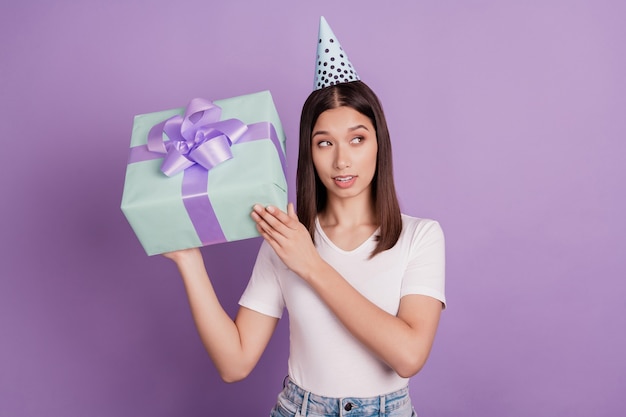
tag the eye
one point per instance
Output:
(357, 139)
(323, 143)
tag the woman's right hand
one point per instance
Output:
(184, 255)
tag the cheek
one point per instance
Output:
(370, 159)
(318, 167)
(321, 158)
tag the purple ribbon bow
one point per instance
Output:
(198, 137)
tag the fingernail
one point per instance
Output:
(270, 209)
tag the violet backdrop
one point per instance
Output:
(508, 122)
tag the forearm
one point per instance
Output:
(403, 344)
(218, 332)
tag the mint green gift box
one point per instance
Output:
(153, 202)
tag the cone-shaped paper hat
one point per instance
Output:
(332, 65)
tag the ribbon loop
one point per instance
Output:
(175, 162)
(212, 152)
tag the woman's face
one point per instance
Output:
(344, 149)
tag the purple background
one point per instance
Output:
(508, 122)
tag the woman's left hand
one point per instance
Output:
(287, 236)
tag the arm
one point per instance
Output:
(402, 341)
(234, 346)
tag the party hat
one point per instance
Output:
(332, 64)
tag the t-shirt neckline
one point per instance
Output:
(361, 247)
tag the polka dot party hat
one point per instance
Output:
(332, 65)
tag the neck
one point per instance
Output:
(356, 211)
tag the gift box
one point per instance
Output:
(194, 173)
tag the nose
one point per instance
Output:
(342, 158)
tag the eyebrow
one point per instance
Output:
(351, 129)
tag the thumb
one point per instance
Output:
(291, 211)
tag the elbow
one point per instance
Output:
(231, 369)
(410, 366)
(408, 371)
(231, 377)
(234, 368)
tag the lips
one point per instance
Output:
(344, 181)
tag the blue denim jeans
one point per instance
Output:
(294, 401)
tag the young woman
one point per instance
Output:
(363, 283)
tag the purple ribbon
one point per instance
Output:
(197, 142)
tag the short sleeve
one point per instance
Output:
(263, 293)
(425, 272)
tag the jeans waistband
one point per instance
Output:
(310, 404)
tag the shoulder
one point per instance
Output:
(417, 227)
(419, 233)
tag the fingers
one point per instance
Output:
(265, 223)
(275, 217)
(264, 231)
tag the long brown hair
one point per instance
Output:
(358, 96)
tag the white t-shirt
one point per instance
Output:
(324, 357)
